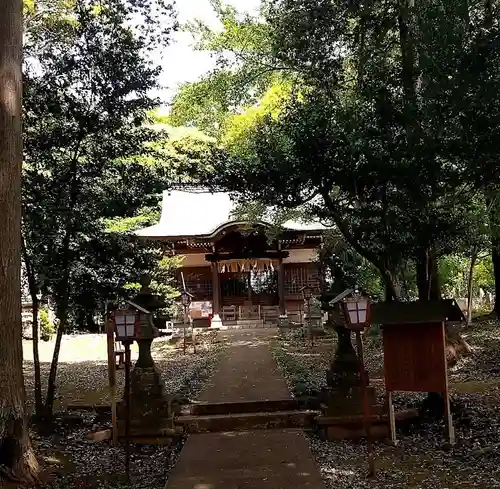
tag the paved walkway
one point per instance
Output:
(261, 459)
(247, 372)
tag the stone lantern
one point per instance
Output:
(149, 402)
(343, 394)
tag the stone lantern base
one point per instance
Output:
(343, 396)
(150, 404)
(346, 402)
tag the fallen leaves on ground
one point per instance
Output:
(422, 459)
(79, 463)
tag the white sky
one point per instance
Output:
(181, 63)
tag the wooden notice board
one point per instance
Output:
(415, 351)
(415, 357)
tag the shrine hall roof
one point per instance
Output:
(189, 214)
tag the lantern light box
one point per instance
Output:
(357, 312)
(128, 320)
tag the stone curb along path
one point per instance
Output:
(259, 459)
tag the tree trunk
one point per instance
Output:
(366, 253)
(391, 293)
(427, 272)
(408, 73)
(35, 330)
(36, 358)
(495, 257)
(422, 279)
(51, 384)
(493, 204)
(470, 280)
(435, 283)
(17, 460)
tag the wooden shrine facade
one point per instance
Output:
(244, 275)
(233, 269)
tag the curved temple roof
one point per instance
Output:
(189, 214)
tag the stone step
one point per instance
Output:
(247, 421)
(238, 407)
(350, 427)
(246, 324)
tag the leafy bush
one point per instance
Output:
(47, 328)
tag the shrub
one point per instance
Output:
(47, 328)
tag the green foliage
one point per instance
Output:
(379, 137)
(91, 163)
(303, 382)
(47, 328)
(245, 70)
(483, 275)
(145, 217)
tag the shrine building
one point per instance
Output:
(236, 273)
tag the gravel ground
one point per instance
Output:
(422, 459)
(79, 463)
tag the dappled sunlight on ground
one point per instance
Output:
(82, 376)
(421, 460)
(64, 450)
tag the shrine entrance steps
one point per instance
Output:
(246, 324)
(247, 425)
(244, 416)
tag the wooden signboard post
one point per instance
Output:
(415, 351)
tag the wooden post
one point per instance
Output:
(250, 288)
(127, 417)
(450, 431)
(112, 377)
(309, 321)
(215, 290)
(281, 287)
(366, 404)
(184, 331)
(392, 419)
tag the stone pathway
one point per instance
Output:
(261, 459)
(247, 372)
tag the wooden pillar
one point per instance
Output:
(215, 289)
(281, 287)
(249, 278)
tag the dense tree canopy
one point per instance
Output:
(90, 154)
(383, 130)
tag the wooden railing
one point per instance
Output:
(249, 312)
(246, 312)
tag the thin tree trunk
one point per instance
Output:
(470, 278)
(390, 288)
(422, 274)
(408, 75)
(17, 460)
(495, 257)
(427, 274)
(488, 14)
(51, 384)
(493, 204)
(36, 358)
(63, 296)
(435, 283)
(35, 330)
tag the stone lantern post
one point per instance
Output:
(343, 394)
(149, 402)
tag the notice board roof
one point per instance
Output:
(416, 312)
